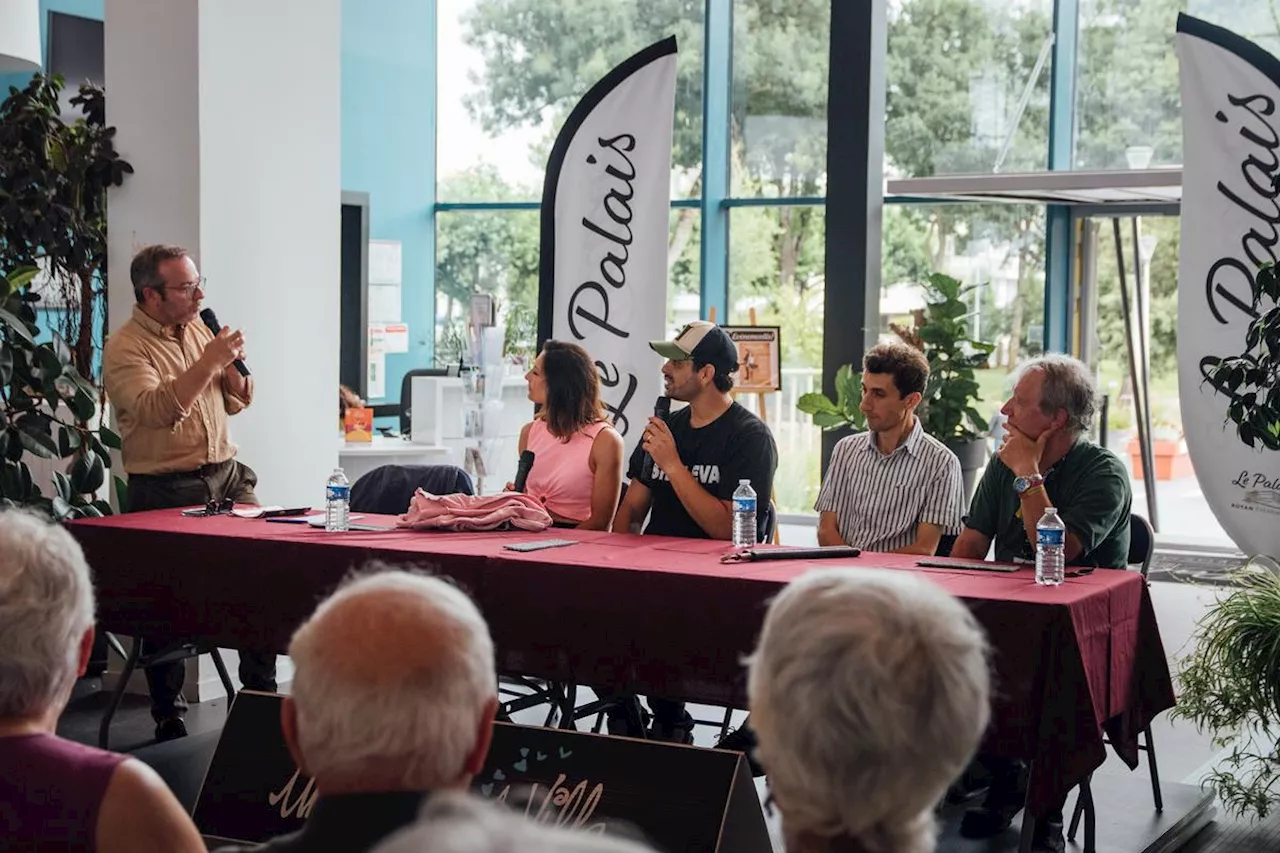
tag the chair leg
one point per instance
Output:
(1076, 814)
(1156, 794)
(224, 675)
(724, 727)
(130, 664)
(570, 702)
(1090, 817)
(114, 642)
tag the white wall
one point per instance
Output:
(229, 112)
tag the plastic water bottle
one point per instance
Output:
(337, 501)
(1051, 540)
(744, 515)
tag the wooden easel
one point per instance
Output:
(761, 408)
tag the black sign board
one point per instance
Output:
(680, 798)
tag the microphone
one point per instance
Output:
(522, 470)
(211, 320)
(661, 409)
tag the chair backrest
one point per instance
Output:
(945, 544)
(1142, 543)
(406, 394)
(387, 489)
(768, 523)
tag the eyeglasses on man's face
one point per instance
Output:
(187, 288)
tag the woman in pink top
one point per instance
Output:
(577, 468)
(56, 794)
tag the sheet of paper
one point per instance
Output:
(384, 303)
(376, 381)
(395, 337)
(384, 262)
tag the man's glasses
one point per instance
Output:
(221, 507)
(187, 287)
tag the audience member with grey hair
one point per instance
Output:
(1045, 460)
(458, 823)
(869, 692)
(394, 693)
(55, 793)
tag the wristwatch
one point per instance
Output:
(1021, 484)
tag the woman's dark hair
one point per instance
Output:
(573, 388)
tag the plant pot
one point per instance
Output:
(972, 455)
(1172, 462)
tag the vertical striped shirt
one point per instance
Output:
(880, 499)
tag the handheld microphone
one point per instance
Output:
(522, 470)
(661, 409)
(211, 320)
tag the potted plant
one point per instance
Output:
(48, 410)
(1231, 688)
(842, 414)
(941, 332)
(54, 178)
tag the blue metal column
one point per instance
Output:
(717, 89)
(1059, 222)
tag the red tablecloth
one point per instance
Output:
(661, 614)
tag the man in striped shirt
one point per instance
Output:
(893, 487)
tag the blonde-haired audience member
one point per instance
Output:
(54, 793)
(869, 693)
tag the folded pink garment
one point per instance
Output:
(472, 512)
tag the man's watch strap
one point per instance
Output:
(1022, 484)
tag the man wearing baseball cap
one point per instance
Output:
(686, 468)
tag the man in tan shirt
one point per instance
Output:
(172, 385)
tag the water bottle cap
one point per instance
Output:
(744, 481)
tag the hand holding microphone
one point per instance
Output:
(233, 342)
(656, 436)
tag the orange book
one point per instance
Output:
(358, 425)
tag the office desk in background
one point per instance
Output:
(359, 459)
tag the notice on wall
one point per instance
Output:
(389, 337)
(385, 263)
(384, 303)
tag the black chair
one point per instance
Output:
(945, 544)
(136, 658)
(1142, 546)
(403, 409)
(769, 524)
(387, 489)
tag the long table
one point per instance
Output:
(659, 614)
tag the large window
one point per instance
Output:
(967, 87)
(1127, 100)
(776, 271)
(1000, 248)
(779, 112)
(509, 72)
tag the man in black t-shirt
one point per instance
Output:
(684, 473)
(686, 468)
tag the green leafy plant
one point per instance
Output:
(47, 409)
(1252, 379)
(844, 411)
(942, 334)
(54, 178)
(1231, 687)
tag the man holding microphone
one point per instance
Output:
(172, 383)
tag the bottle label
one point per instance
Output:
(1051, 535)
(744, 504)
(336, 492)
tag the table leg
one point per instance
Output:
(1028, 819)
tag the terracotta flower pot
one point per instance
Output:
(1170, 457)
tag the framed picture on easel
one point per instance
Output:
(759, 358)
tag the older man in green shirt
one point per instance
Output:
(1045, 461)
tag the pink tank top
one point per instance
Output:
(561, 475)
(50, 791)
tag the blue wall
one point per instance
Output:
(388, 148)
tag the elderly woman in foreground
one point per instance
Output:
(54, 793)
(869, 694)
